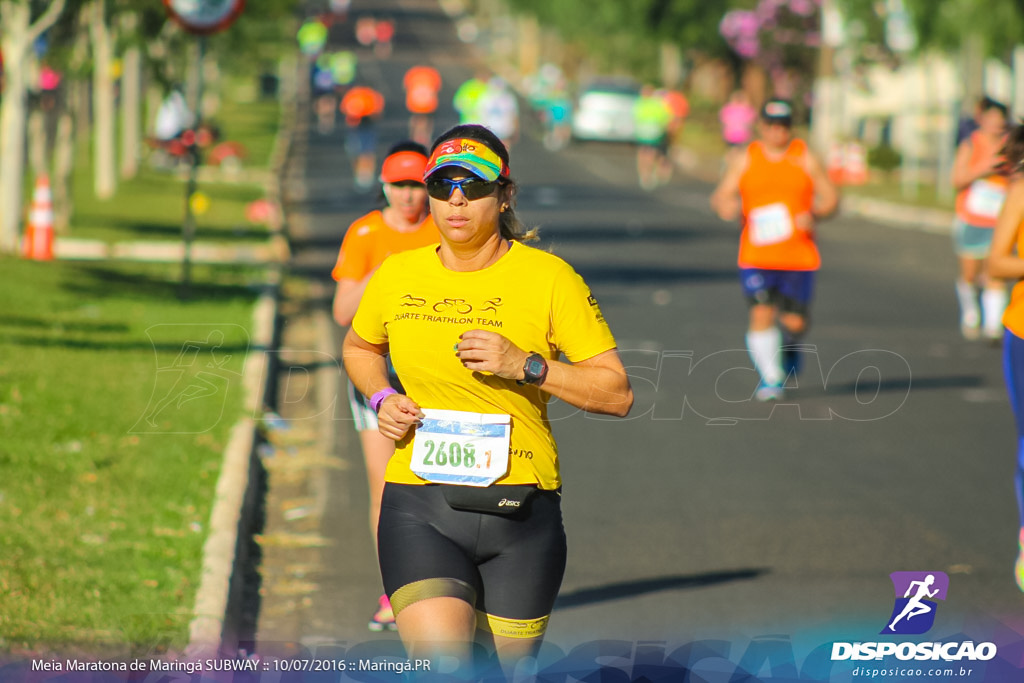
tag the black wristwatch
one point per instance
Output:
(535, 370)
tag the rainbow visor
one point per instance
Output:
(470, 155)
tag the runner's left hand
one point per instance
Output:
(485, 351)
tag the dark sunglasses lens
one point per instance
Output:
(475, 189)
(438, 188)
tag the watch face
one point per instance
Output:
(534, 368)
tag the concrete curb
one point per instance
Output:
(68, 248)
(897, 215)
(235, 496)
(219, 551)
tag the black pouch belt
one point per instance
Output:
(495, 500)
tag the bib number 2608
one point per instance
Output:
(458, 447)
(443, 453)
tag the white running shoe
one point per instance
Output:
(768, 392)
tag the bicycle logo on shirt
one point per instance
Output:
(453, 306)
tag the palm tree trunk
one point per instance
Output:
(104, 124)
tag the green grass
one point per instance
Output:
(151, 206)
(102, 513)
(254, 123)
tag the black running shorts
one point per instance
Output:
(509, 567)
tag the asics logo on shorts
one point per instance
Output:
(505, 502)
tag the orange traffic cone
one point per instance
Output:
(38, 242)
(856, 165)
(836, 163)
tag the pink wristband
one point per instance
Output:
(379, 397)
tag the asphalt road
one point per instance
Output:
(706, 514)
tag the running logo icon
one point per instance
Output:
(914, 610)
(190, 391)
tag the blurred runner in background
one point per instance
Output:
(980, 179)
(324, 97)
(312, 37)
(422, 84)
(679, 107)
(366, 31)
(362, 106)
(779, 188)
(652, 117)
(385, 33)
(499, 111)
(549, 96)
(468, 97)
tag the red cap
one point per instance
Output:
(403, 166)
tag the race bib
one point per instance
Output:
(457, 447)
(985, 199)
(770, 224)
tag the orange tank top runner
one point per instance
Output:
(369, 241)
(979, 203)
(774, 192)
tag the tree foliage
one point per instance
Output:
(945, 24)
(626, 35)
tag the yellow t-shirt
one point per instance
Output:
(535, 299)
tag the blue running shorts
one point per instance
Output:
(789, 290)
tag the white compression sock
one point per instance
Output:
(970, 315)
(993, 303)
(765, 350)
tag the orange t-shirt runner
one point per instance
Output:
(360, 102)
(422, 84)
(774, 192)
(369, 241)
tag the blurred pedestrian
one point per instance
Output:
(778, 188)
(422, 85)
(362, 106)
(173, 117)
(404, 223)
(1006, 261)
(980, 178)
(737, 117)
(471, 541)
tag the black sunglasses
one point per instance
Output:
(471, 188)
